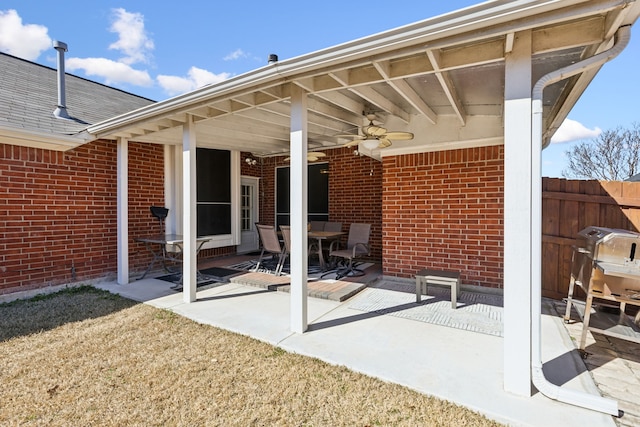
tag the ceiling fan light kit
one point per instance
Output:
(370, 144)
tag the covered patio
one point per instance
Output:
(501, 74)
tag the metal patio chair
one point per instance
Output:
(286, 239)
(357, 246)
(270, 246)
(160, 212)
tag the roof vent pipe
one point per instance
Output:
(61, 111)
(273, 58)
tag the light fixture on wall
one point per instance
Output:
(250, 161)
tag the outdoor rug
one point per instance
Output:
(313, 270)
(207, 276)
(476, 312)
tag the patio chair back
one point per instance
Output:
(333, 226)
(358, 240)
(270, 245)
(357, 246)
(286, 237)
(160, 212)
(317, 225)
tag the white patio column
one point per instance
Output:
(517, 217)
(298, 210)
(122, 210)
(172, 188)
(189, 279)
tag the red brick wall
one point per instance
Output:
(146, 188)
(58, 212)
(267, 197)
(444, 210)
(355, 193)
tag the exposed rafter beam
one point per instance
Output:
(318, 106)
(371, 96)
(343, 101)
(410, 95)
(574, 34)
(321, 121)
(381, 101)
(508, 42)
(244, 127)
(448, 86)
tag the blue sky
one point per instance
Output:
(159, 51)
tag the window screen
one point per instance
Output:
(213, 177)
(318, 194)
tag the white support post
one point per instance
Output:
(172, 174)
(298, 210)
(517, 218)
(189, 279)
(122, 176)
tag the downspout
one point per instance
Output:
(545, 387)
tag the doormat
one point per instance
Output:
(219, 273)
(476, 312)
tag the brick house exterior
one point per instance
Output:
(59, 210)
(437, 202)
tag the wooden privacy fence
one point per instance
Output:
(568, 206)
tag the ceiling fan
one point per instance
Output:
(376, 136)
(312, 156)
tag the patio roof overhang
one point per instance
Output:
(442, 79)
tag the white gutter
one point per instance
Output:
(40, 139)
(550, 390)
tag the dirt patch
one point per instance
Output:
(91, 358)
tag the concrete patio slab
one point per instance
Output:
(460, 366)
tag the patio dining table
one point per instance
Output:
(324, 235)
(157, 245)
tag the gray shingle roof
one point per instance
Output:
(29, 95)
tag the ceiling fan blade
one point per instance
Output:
(384, 143)
(398, 136)
(348, 135)
(312, 156)
(352, 143)
(374, 130)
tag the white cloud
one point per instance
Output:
(133, 40)
(112, 71)
(196, 77)
(29, 41)
(24, 41)
(572, 130)
(236, 54)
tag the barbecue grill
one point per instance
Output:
(606, 265)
